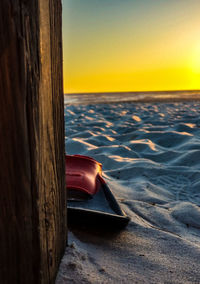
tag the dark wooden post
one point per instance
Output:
(32, 169)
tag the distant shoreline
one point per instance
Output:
(135, 97)
(134, 92)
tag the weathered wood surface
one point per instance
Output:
(32, 174)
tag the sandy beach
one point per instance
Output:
(151, 160)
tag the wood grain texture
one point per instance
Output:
(32, 168)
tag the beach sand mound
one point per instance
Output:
(150, 155)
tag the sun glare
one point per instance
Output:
(196, 59)
(194, 67)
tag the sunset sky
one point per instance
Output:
(131, 45)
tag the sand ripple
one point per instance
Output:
(150, 155)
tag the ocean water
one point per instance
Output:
(86, 98)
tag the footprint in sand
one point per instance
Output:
(180, 185)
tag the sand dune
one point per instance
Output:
(151, 160)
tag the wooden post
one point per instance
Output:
(32, 168)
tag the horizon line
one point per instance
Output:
(126, 92)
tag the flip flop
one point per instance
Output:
(89, 199)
